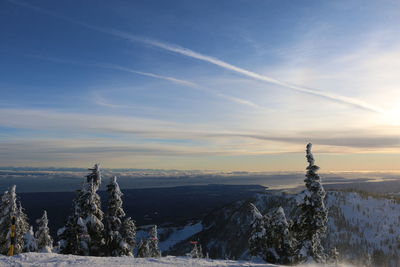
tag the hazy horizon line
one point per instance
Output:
(209, 171)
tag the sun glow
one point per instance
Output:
(392, 116)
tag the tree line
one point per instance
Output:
(88, 231)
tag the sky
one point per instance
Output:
(208, 85)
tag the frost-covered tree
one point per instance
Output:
(128, 232)
(148, 247)
(196, 251)
(271, 238)
(153, 243)
(30, 241)
(144, 248)
(83, 231)
(73, 235)
(311, 224)
(367, 260)
(94, 176)
(119, 234)
(43, 237)
(334, 256)
(91, 214)
(257, 238)
(11, 210)
(279, 245)
(83, 238)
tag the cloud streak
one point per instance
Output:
(217, 138)
(215, 61)
(353, 141)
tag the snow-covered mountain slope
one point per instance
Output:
(169, 236)
(50, 260)
(176, 234)
(365, 228)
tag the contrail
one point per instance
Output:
(149, 74)
(192, 54)
(182, 82)
(156, 76)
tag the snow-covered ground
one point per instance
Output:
(51, 259)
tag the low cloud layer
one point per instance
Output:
(133, 138)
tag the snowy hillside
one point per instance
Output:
(49, 260)
(363, 227)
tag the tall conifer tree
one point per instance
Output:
(120, 233)
(43, 237)
(153, 243)
(310, 226)
(83, 231)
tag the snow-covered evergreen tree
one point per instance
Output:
(311, 224)
(83, 238)
(73, 237)
(11, 210)
(128, 233)
(83, 231)
(153, 243)
(91, 214)
(144, 248)
(30, 241)
(22, 219)
(148, 247)
(43, 237)
(271, 238)
(94, 176)
(120, 234)
(196, 251)
(257, 238)
(113, 219)
(367, 260)
(70, 235)
(334, 256)
(279, 245)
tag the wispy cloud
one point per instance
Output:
(215, 61)
(214, 138)
(104, 147)
(350, 140)
(100, 100)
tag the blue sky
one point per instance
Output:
(227, 85)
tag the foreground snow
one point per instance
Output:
(51, 259)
